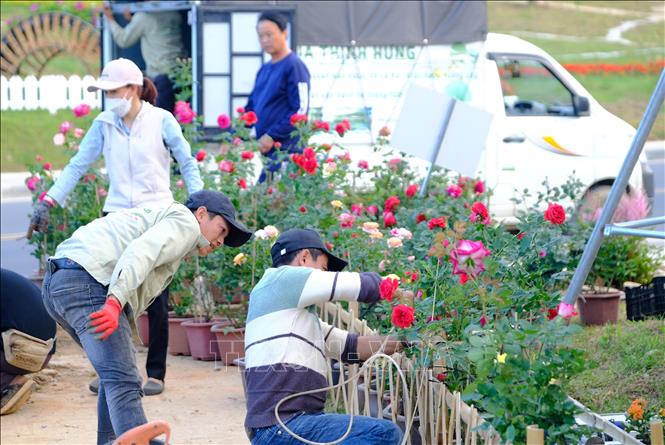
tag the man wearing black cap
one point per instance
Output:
(286, 345)
(109, 271)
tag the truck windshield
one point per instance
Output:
(530, 89)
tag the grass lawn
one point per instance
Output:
(630, 358)
(24, 134)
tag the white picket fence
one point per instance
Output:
(52, 93)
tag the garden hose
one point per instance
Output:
(351, 400)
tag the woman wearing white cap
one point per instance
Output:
(137, 140)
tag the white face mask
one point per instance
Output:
(119, 106)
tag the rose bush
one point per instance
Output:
(486, 316)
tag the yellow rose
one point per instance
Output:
(271, 231)
(394, 242)
(501, 358)
(240, 259)
(337, 204)
(376, 235)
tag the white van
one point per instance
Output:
(545, 124)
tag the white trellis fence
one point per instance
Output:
(53, 93)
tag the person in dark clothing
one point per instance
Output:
(281, 89)
(28, 338)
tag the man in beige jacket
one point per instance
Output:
(110, 270)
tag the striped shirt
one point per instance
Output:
(286, 344)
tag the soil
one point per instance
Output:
(202, 401)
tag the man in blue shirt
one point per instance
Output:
(281, 89)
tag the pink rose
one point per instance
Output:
(59, 139)
(467, 257)
(236, 141)
(102, 192)
(47, 166)
(372, 210)
(224, 121)
(180, 183)
(479, 187)
(31, 183)
(78, 133)
(454, 190)
(227, 166)
(394, 162)
(356, 209)
(65, 127)
(363, 165)
(81, 110)
(566, 310)
(346, 220)
(39, 158)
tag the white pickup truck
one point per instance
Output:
(545, 123)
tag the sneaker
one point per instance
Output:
(153, 387)
(15, 395)
(94, 386)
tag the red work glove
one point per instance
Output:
(105, 320)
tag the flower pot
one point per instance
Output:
(374, 409)
(230, 342)
(401, 422)
(178, 344)
(143, 326)
(599, 308)
(202, 342)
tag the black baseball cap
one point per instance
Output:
(219, 203)
(297, 239)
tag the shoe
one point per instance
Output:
(153, 387)
(15, 395)
(94, 386)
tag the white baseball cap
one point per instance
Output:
(118, 73)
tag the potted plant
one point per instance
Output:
(620, 259)
(178, 344)
(201, 341)
(639, 417)
(143, 326)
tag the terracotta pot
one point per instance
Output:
(143, 326)
(230, 342)
(178, 344)
(599, 309)
(202, 344)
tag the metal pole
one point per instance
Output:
(435, 152)
(615, 231)
(642, 222)
(619, 185)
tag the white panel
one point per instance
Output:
(216, 53)
(245, 38)
(216, 94)
(31, 87)
(244, 73)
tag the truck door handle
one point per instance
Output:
(514, 139)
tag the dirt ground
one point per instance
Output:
(203, 402)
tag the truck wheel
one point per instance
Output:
(589, 207)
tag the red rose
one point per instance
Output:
(240, 110)
(391, 204)
(340, 129)
(200, 155)
(362, 164)
(47, 166)
(270, 190)
(479, 213)
(437, 222)
(346, 124)
(552, 313)
(372, 210)
(247, 155)
(402, 316)
(227, 166)
(483, 321)
(303, 209)
(357, 209)
(520, 235)
(320, 125)
(242, 183)
(411, 190)
(249, 118)
(329, 246)
(441, 376)
(389, 219)
(479, 187)
(555, 214)
(420, 217)
(277, 145)
(463, 278)
(384, 132)
(387, 288)
(298, 119)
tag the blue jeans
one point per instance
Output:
(322, 427)
(70, 296)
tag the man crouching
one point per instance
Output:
(286, 345)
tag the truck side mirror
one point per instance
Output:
(581, 105)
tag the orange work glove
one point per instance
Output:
(105, 320)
